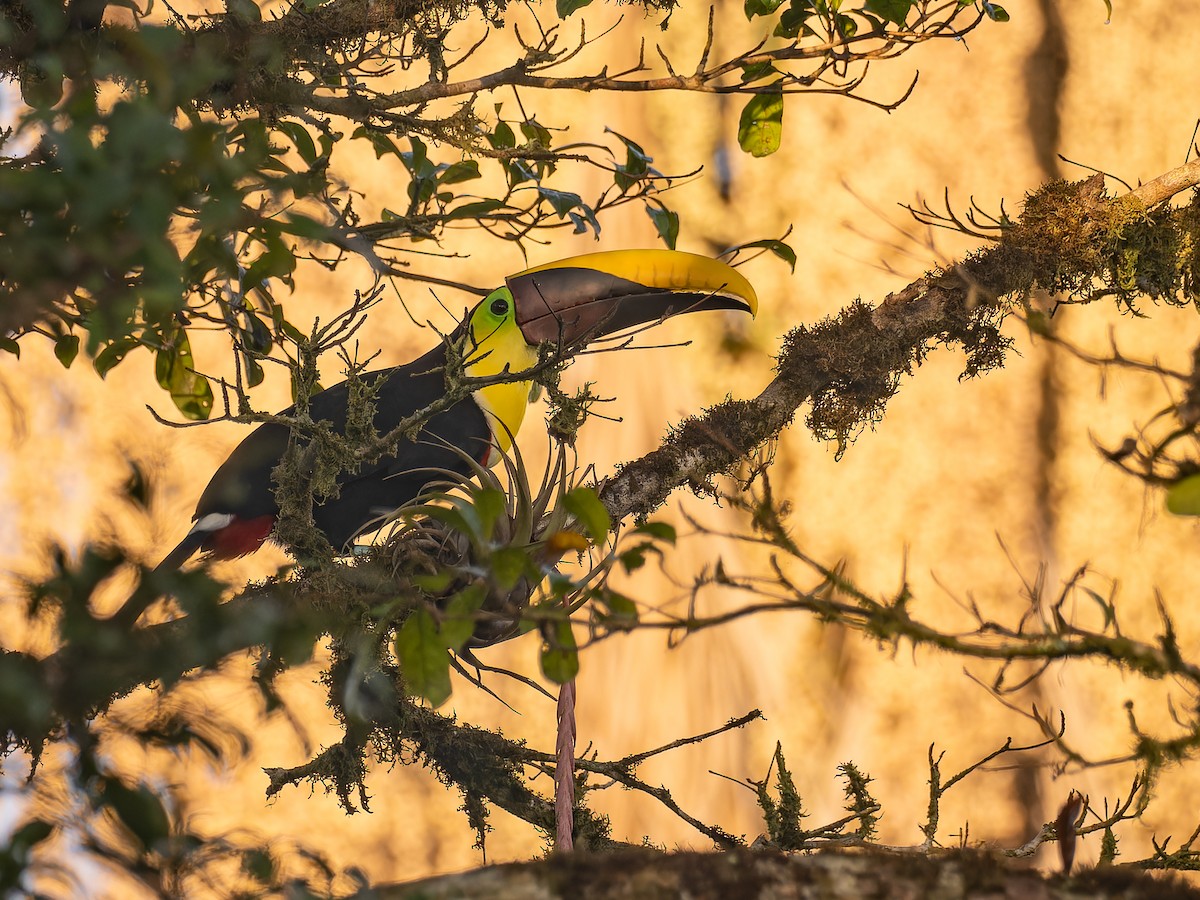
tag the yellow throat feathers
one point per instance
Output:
(503, 404)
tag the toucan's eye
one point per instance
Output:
(499, 307)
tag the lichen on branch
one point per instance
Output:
(848, 366)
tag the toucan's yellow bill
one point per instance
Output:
(575, 300)
(672, 270)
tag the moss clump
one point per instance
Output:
(1065, 234)
(1073, 239)
(1189, 249)
(855, 367)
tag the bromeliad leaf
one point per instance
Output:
(489, 505)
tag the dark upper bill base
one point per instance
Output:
(586, 297)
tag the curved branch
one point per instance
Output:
(883, 342)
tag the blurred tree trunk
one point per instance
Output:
(832, 875)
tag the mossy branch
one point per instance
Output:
(848, 366)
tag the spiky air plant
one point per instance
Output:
(481, 549)
(479, 553)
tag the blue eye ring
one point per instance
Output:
(499, 307)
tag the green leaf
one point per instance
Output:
(1110, 613)
(139, 810)
(434, 582)
(8, 345)
(25, 838)
(892, 10)
(423, 658)
(66, 348)
(417, 159)
(758, 71)
(760, 128)
(174, 369)
(637, 163)
(792, 20)
(585, 506)
(277, 259)
(565, 203)
(621, 611)
(256, 335)
(754, 8)
(536, 134)
(1183, 497)
(490, 505)
(466, 170)
(292, 331)
(254, 373)
(660, 531)
(581, 222)
(301, 138)
(508, 565)
(634, 559)
(560, 655)
(112, 355)
(245, 11)
(998, 13)
(779, 248)
(519, 172)
(562, 201)
(381, 142)
(566, 7)
(475, 209)
(502, 138)
(304, 226)
(666, 223)
(259, 865)
(460, 619)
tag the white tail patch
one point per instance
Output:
(212, 522)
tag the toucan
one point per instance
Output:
(568, 302)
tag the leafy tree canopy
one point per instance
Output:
(174, 169)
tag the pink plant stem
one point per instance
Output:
(564, 769)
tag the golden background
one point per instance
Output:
(967, 487)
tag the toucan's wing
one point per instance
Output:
(370, 494)
(242, 485)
